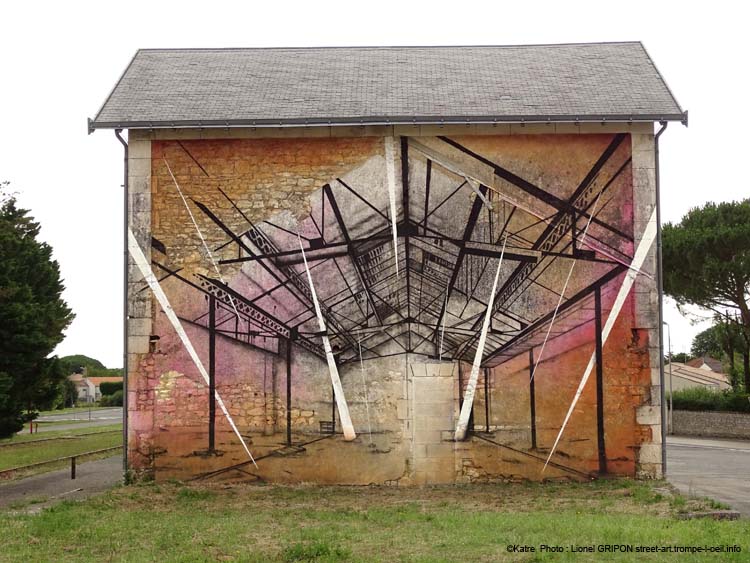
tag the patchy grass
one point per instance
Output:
(315, 552)
(240, 522)
(38, 450)
(25, 503)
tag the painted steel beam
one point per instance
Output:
(211, 374)
(289, 275)
(224, 293)
(532, 398)
(476, 207)
(550, 199)
(252, 314)
(338, 249)
(289, 392)
(567, 304)
(599, 381)
(428, 181)
(557, 228)
(407, 218)
(350, 249)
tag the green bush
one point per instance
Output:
(702, 399)
(113, 400)
(110, 387)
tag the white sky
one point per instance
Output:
(59, 60)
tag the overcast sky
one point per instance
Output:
(59, 61)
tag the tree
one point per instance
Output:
(78, 362)
(708, 343)
(721, 340)
(33, 316)
(93, 367)
(706, 260)
(68, 394)
(680, 357)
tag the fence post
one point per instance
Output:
(73, 467)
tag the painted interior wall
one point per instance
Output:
(404, 406)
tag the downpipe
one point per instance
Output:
(126, 224)
(660, 285)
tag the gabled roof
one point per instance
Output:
(388, 85)
(698, 375)
(711, 363)
(108, 379)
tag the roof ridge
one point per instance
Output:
(385, 47)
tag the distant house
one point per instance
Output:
(685, 376)
(706, 363)
(85, 388)
(88, 387)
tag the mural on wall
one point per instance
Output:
(402, 248)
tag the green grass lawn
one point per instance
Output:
(21, 437)
(28, 450)
(236, 522)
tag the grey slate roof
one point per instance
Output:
(378, 85)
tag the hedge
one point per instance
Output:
(110, 387)
(702, 399)
(113, 400)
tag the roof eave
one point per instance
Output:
(93, 125)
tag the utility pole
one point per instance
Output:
(671, 403)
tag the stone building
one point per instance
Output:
(429, 190)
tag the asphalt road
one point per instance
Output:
(39, 491)
(711, 467)
(99, 417)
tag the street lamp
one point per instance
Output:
(671, 405)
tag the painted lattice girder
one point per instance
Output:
(360, 287)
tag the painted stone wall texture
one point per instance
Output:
(227, 220)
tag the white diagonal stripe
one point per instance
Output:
(390, 172)
(338, 390)
(471, 386)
